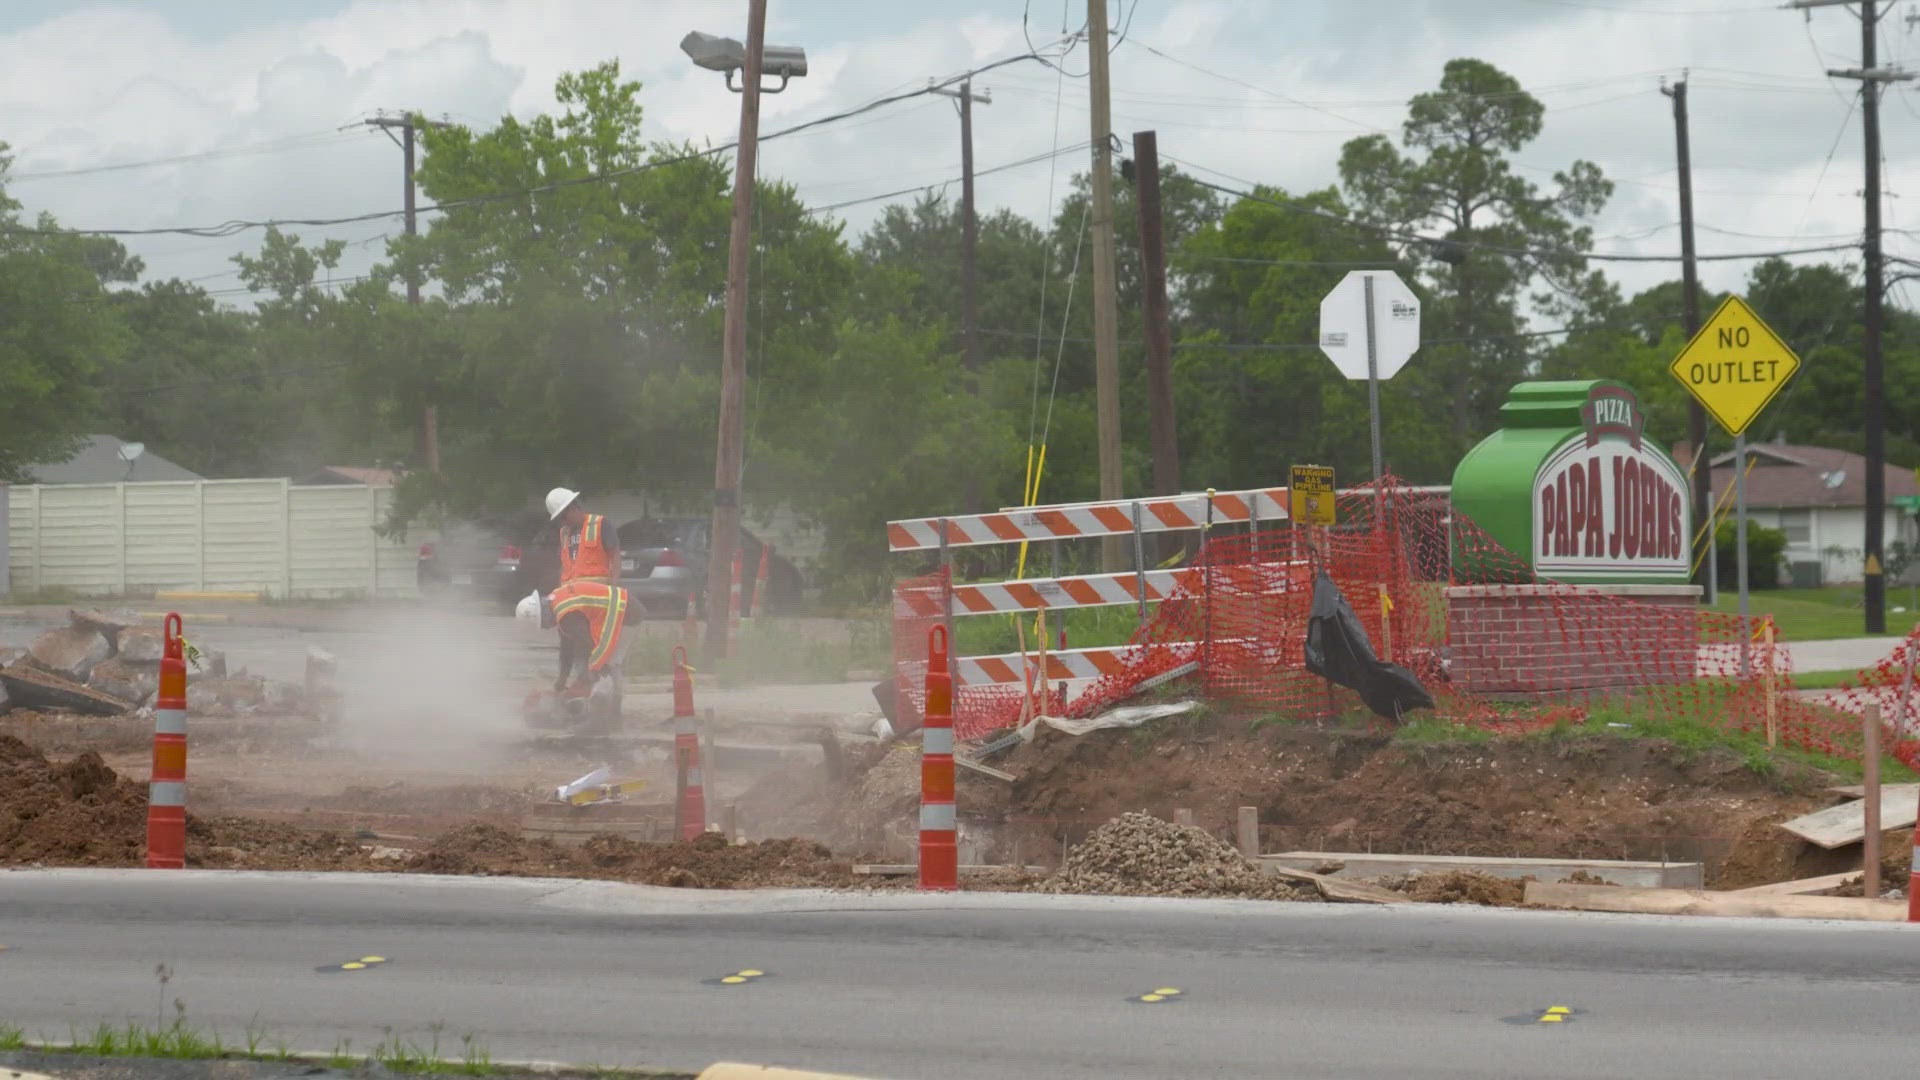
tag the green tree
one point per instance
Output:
(57, 327)
(1503, 236)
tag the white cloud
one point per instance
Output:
(101, 85)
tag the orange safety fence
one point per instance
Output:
(1497, 649)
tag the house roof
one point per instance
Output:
(98, 462)
(1788, 476)
(349, 474)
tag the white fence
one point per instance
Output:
(264, 536)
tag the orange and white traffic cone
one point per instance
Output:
(939, 825)
(167, 796)
(691, 807)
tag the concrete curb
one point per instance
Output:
(730, 1070)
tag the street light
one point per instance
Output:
(727, 55)
(752, 60)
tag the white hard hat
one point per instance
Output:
(528, 609)
(558, 500)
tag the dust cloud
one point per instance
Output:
(435, 690)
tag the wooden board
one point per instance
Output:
(906, 869)
(1813, 886)
(1335, 889)
(1838, 826)
(1673, 875)
(1701, 902)
(32, 689)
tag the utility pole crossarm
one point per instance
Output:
(1882, 75)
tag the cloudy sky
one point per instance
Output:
(257, 104)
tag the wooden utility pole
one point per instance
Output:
(1106, 313)
(429, 413)
(1874, 412)
(969, 222)
(1153, 307)
(1702, 482)
(730, 457)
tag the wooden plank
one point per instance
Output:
(1813, 886)
(1673, 875)
(906, 869)
(33, 689)
(983, 770)
(1701, 902)
(1335, 889)
(1838, 826)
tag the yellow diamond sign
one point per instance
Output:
(1735, 365)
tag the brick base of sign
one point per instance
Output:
(1551, 640)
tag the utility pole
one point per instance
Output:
(1690, 318)
(1872, 380)
(1106, 313)
(1153, 307)
(429, 413)
(730, 458)
(969, 222)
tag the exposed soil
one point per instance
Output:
(1140, 855)
(82, 813)
(706, 863)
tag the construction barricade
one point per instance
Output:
(167, 796)
(939, 825)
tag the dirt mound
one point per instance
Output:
(706, 863)
(1140, 855)
(1458, 887)
(1578, 796)
(82, 813)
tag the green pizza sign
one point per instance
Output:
(1572, 486)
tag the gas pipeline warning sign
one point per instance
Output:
(1310, 495)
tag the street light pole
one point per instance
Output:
(730, 456)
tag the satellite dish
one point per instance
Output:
(1834, 479)
(130, 452)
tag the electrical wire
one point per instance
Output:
(1407, 236)
(1258, 89)
(977, 173)
(232, 228)
(303, 141)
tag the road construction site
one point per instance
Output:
(399, 750)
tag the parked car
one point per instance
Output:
(664, 566)
(471, 560)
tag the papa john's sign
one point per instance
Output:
(1572, 485)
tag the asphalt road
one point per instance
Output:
(968, 986)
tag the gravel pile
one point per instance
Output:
(1140, 855)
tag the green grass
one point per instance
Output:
(773, 650)
(1691, 732)
(990, 635)
(1824, 680)
(1814, 614)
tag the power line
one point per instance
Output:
(232, 228)
(1406, 236)
(290, 142)
(1033, 160)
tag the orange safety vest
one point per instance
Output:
(583, 551)
(605, 609)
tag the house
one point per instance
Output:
(348, 474)
(102, 459)
(1817, 496)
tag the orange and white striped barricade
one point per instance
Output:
(1175, 513)
(939, 825)
(690, 808)
(167, 795)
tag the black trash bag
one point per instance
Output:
(1338, 650)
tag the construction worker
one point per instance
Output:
(589, 550)
(590, 616)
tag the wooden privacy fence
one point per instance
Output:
(266, 536)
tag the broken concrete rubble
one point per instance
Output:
(70, 651)
(141, 645)
(134, 683)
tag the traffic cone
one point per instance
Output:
(167, 795)
(939, 827)
(691, 806)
